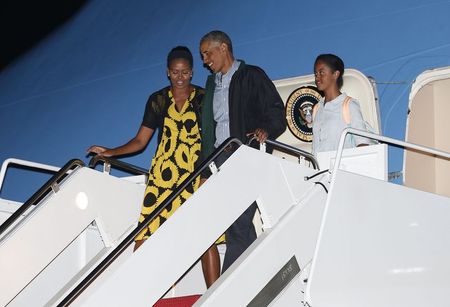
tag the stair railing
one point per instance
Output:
(108, 162)
(52, 185)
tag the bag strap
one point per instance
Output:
(314, 112)
(346, 110)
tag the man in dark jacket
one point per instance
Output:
(240, 100)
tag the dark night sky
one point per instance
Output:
(23, 23)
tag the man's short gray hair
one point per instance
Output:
(218, 36)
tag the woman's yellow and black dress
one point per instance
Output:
(178, 152)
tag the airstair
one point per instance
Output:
(328, 238)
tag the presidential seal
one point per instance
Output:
(299, 109)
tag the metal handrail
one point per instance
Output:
(295, 151)
(130, 238)
(25, 163)
(36, 197)
(383, 139)
(118, 164)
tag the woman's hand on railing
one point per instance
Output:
(99, 150)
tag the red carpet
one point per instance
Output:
(182, 301)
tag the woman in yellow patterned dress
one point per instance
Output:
(174, 110)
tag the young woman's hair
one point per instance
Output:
(335, 63)
(180, 52)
